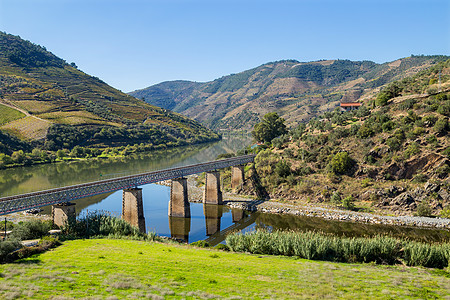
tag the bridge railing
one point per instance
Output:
(69, 193)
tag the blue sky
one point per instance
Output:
(133, 44)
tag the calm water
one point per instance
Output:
(210, 222)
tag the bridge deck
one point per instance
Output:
(69, 193)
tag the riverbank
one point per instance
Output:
(247, 203)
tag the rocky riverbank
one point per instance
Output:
(336, 214)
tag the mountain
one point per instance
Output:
(296, 90)
(391, 154)
(44, 100)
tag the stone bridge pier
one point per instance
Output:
(237, 177)
(213, 193)
(62, 212)
(179, 202)
(132, 208)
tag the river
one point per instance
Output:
(212, 223)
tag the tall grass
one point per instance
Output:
(103, 224)
(315, 246)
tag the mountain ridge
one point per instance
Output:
(296, 90)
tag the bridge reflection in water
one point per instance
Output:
(181, 227)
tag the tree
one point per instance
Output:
(18, 156)
(269, 128)
(60, 154)
(341, 163)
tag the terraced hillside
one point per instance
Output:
(297, 91)
(41, 93)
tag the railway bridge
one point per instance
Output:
(132, 206)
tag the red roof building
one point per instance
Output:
(350, 106)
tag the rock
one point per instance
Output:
(431, 188)
(394, 191)
(404, 200)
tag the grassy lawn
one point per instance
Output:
(131, 269)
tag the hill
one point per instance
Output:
(46, 101)
(298, 91)
(393, 153)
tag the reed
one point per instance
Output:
(95, 224)
(316, 246)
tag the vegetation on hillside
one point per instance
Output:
(50, 105)
(297, 91)
(391, 154)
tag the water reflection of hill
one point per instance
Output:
(42, 177)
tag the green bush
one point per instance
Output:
(336, 197)
(341, 163)
(441, 126)
(429, 120)
(430, 256)
(8, 246)
(420, 178)
(382, 99)
(201, 244)
(283, 168)
(424, 210)
(348, 203)
(33, 229)
(412, 150)
(222, 247)
(445, 212)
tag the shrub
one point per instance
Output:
(31, 230)
(382, 99)
(445, 212)
(222, 247)
(283, 168)
(366, 182)
(429, 120)
(420, 178)
(394, 143)
(430, 256)
(341, 163)
(412, 149)
(336, 197)
(8, 246)
(48, 242)
(365, 131)
(424, 210)
(348, 203)
(201, 244)
(444, 109)
(441, 126)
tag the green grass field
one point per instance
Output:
(8, 114)
(102, 268)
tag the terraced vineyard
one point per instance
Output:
(46, 92)
(28, 128)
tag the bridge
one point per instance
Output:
(132, 209)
